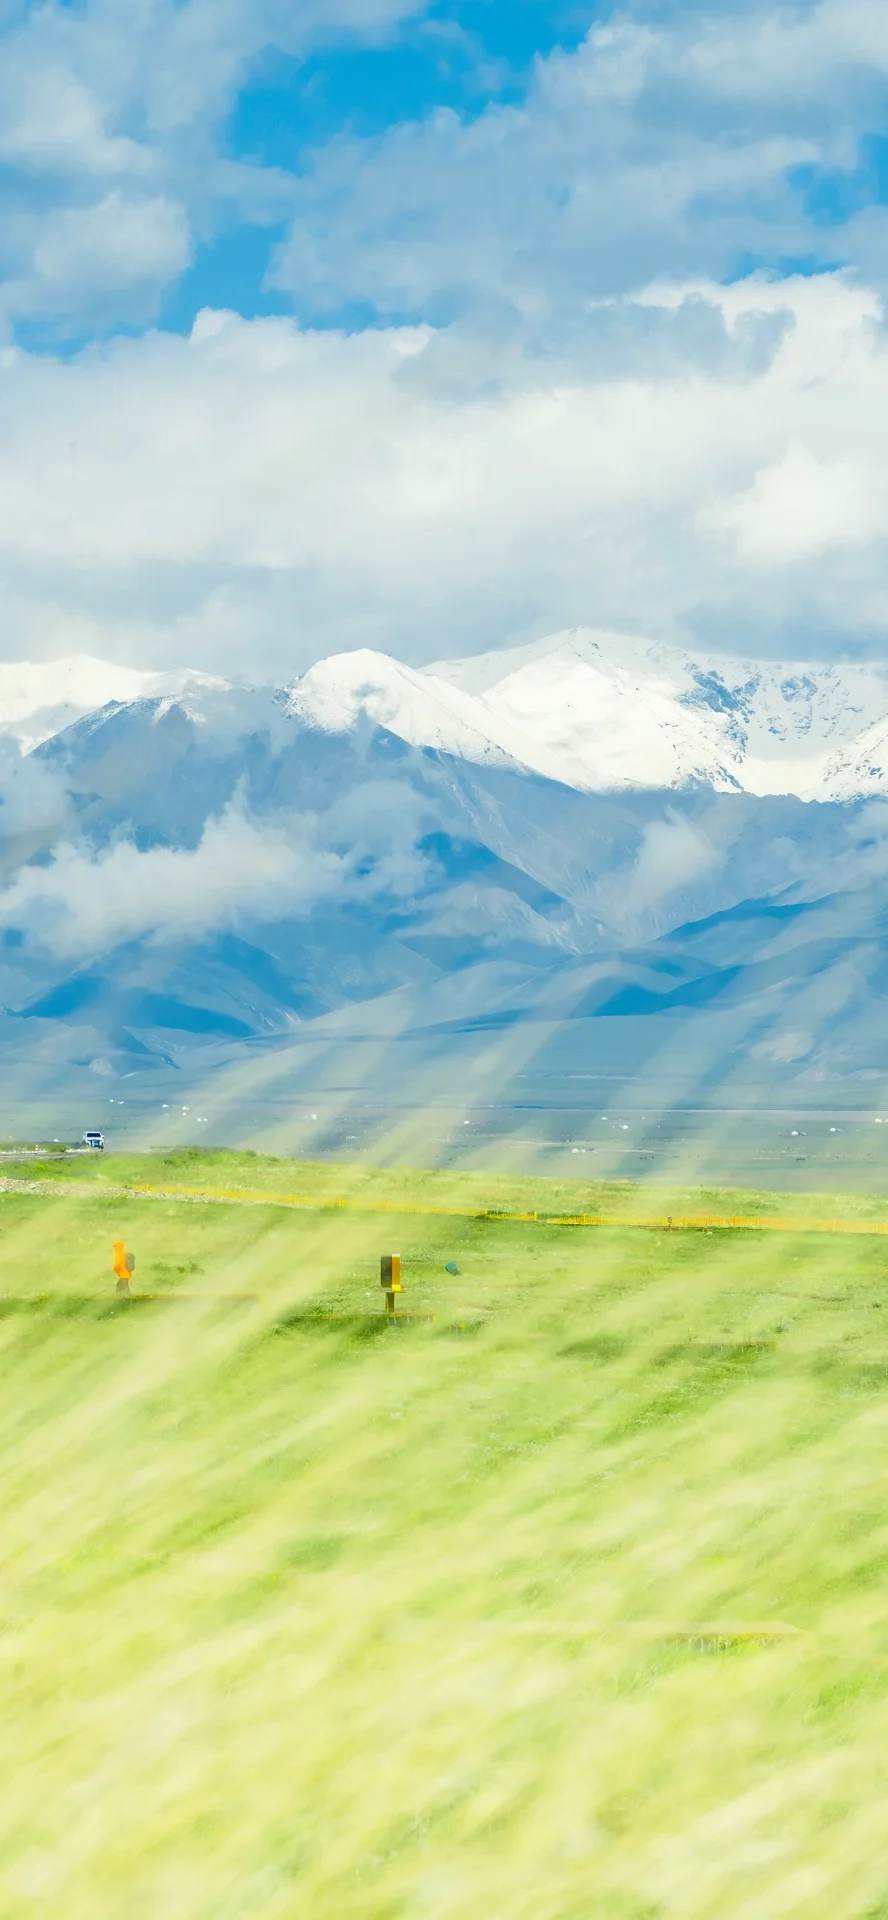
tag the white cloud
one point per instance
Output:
(699, 455)
(115, 254)
(51, 122)
(836, 50)
(801, 507)
(110, 118)
(795, 1044)
(674, 852)
(256, 495)
(96, 88)
(661, 144)
(34, 806)
(85, 901)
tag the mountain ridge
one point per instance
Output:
(39, 699)
(598, 711)
(606, 712)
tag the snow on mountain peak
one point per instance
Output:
(602, 711)
(592, 709)
(413, 703)
(39, 698)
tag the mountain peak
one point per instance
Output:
(39, 698)
(591, 708)
(604, 712)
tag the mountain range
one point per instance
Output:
(601, 712)
(592, 867)
(606, 712)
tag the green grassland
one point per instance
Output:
(468, 1617)
(220, 1169)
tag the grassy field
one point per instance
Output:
(485, 1616)
(192, 1168)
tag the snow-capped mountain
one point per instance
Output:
(603, 712)
(526, 873)
(219, 872)
(38, 699)
(596, 711)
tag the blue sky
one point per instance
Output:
(250, 120)
(427, 225)
(294, 81)
(462, 57)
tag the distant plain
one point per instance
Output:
(797, 1149)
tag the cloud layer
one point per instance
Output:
(611, 353)
(112, 145)
(728, 479)
(675, 140)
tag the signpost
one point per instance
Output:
(390, 1278)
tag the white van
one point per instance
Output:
(96, 1140)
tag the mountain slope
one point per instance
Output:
(230, 875)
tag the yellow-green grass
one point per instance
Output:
(305, 1615)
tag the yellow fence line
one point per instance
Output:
(699, 1222)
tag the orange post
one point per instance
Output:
(124, 1264)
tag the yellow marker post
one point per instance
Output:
(124, 1264)
(390, 1278)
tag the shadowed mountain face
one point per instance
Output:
(213, 886)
